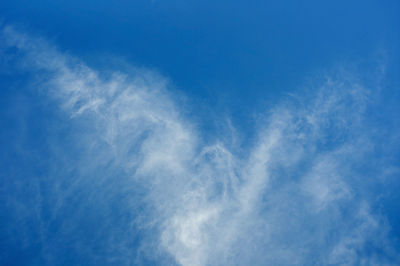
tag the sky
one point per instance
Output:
(199, 132)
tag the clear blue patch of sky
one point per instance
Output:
(232, 57)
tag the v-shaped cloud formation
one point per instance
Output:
(146, 188)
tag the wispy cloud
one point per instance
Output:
(294, 197)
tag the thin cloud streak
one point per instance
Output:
(294, 199)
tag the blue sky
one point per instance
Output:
(199, 133)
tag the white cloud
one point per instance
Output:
(291, 200)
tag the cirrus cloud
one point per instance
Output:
(145, 187)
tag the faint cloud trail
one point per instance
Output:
(293, 200)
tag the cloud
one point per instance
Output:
(154, 190)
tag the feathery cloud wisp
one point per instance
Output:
(295, 198)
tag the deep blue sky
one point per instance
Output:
(276, 140)
(233, 55)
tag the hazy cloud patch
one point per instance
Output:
(156, 190)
